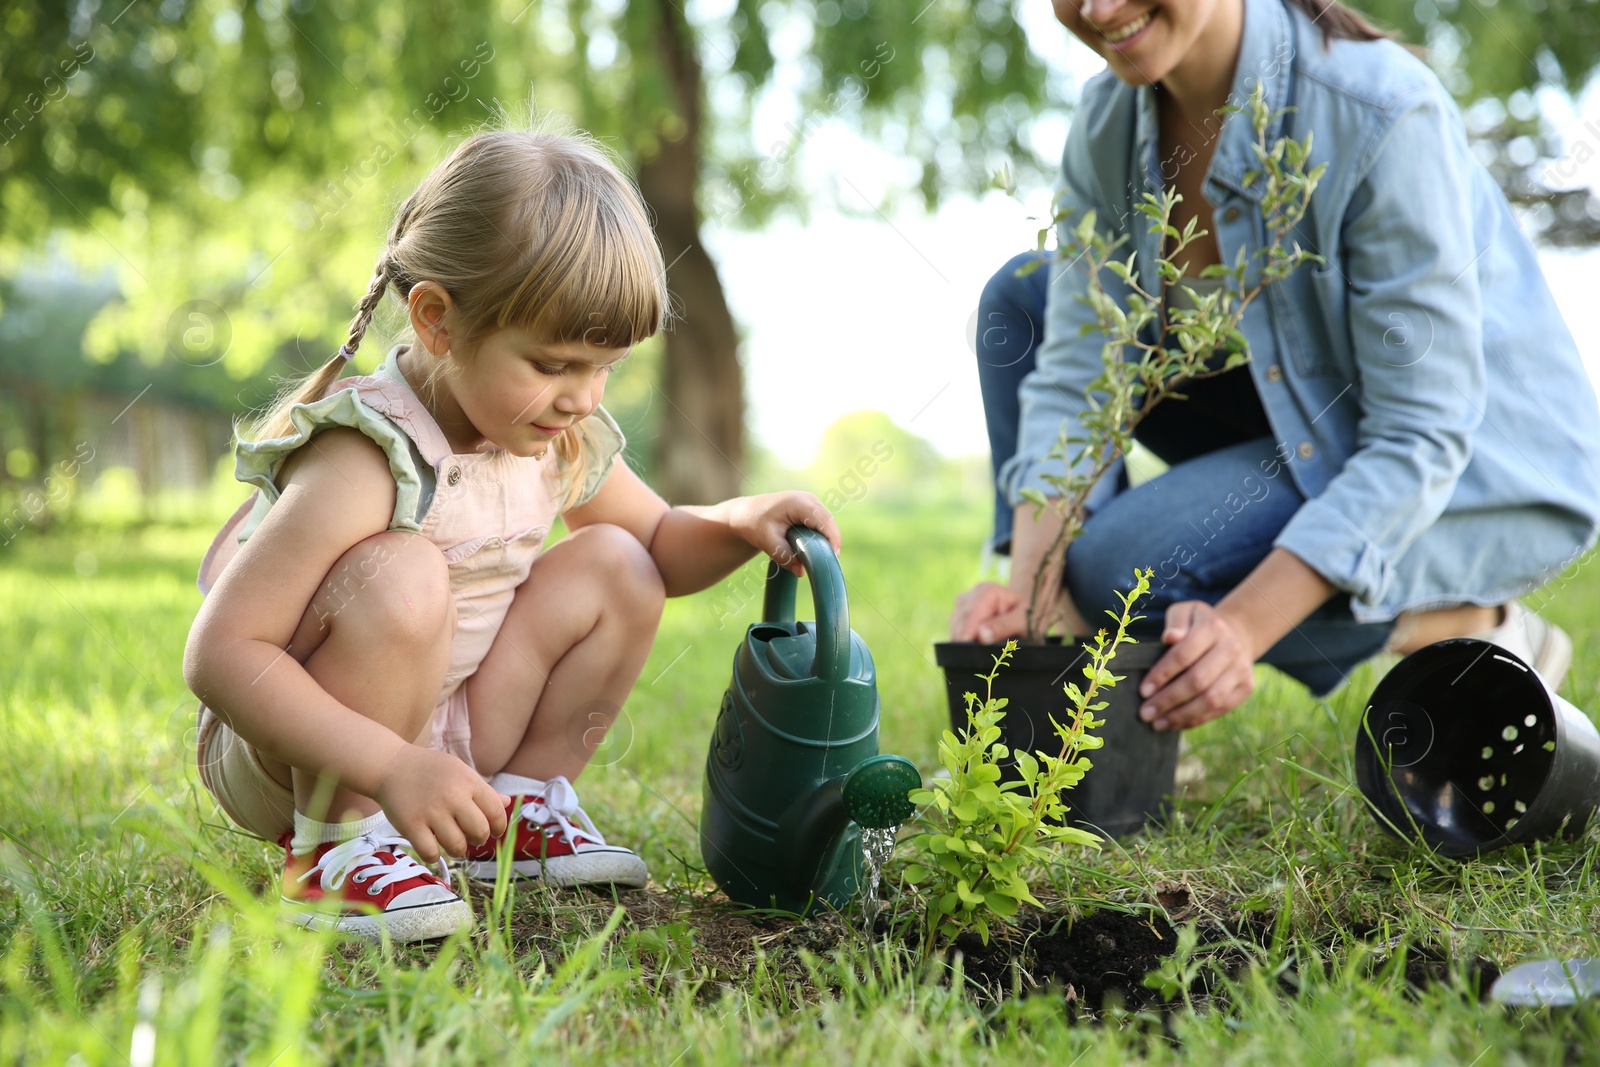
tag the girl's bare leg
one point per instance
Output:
(377, 638)
(569, 652)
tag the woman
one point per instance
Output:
(1414, 442)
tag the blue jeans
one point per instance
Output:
(1201, 527)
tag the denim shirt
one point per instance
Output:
(1426, 397)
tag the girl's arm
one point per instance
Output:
(695, 547)
(337, 491)
(236, 660)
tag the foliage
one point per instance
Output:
(248, 155)
(1174, 344)
(984, 834)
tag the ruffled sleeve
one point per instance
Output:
(258, 462)
(608, 441)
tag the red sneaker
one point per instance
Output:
(376, 885)
(547, 846)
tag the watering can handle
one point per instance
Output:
(827, 594)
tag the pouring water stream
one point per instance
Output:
(877, 845)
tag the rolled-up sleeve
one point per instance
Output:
(1069, 354)
(1415, 325)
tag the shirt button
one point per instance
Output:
(1230, 214)
(454, 476)
(1275, 373)
(1305, 450)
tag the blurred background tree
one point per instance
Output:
(218, 174)
(234, 164)
(1498, 59)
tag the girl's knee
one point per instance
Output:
(625, 566)
(395, 585)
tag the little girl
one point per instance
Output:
(383, 644)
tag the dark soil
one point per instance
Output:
(1102, 958)
(1105, 954)
(1090, 961)
(711, 937)
(1427, 965)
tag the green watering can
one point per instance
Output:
(794, 770)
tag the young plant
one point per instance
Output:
(1174, 344)
(983, 834)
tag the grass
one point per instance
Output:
(132, 928)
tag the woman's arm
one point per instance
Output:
(1415, 323)
(1408, 267)
(990, 612)
(1210, 666)
(1051, 398)
(695, 547)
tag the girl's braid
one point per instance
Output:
(367, 306)
(381, 279)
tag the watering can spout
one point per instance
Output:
(874, 795)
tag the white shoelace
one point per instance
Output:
(359, 855)
(559, 807)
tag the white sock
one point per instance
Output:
(515, 785)
(309, 833)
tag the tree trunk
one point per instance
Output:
(700, 451)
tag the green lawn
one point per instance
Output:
(132, 930)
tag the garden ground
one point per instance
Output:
(132, 928)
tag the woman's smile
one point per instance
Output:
(1123, 37)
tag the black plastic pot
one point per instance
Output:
(1133, 774)
(1466, 748)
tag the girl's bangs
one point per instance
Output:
(597, 279)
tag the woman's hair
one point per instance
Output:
(1339, 22)
(533, 229)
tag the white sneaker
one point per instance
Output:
(1536, 641)
(369, 886)
(554, 841)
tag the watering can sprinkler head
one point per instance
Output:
(874, 796)
(877, 794)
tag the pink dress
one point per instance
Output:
(489, 513)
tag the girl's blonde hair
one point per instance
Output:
(533, 229)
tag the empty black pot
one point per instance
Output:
(1133, 775)
(1464, 746)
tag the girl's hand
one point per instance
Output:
(437, 803)
(1204, 675)
(764, 521)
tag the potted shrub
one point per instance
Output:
(979, 834)
(1152, 347)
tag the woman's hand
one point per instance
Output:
(989, 612)
(764, 521)
(1206, 673)
(438, 803)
